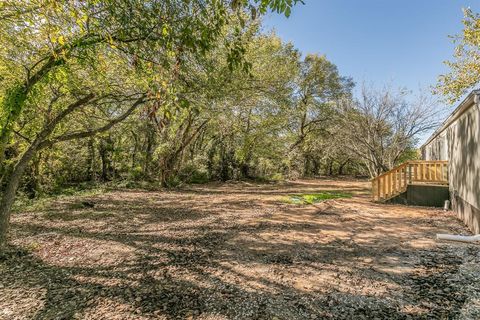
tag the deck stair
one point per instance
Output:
(395, 182)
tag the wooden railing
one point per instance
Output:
(395, 181)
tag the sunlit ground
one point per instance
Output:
(236, 251)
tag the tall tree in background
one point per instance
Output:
(382, 126)
(318, 86)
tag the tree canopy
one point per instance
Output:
(464, 71)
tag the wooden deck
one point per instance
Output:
(395, 181)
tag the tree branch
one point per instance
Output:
(92, 132)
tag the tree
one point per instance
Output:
(48, 44)
(317, 88)
(465, 68)
(382, 126)
(69, 103)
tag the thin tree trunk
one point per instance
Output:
(93, 160)
(104, 157)
(342, 166)
(13, 180)
(330, 168)
(9, 194)
(135, 150)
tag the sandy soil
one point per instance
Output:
(237, 251)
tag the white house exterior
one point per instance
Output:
(458, 141)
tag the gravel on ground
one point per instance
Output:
(237, 251)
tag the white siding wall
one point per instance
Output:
(464, 147)
(437, 149)
(459, 143)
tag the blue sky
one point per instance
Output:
(397, 42)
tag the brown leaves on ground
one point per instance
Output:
(236, 251)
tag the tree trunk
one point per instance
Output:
(330, 168)
(104, 151)
(306, 166)
(342, 166)
(13, 180)
(33, 175)
(92, 170)
(167, 170)
(11, 188)
(149, 149)
(135, 150)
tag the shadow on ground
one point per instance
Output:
(211, 253)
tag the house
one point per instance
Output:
(457, 141)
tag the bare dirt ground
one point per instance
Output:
(237, 251)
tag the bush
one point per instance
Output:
(192, 174)
(136, 173)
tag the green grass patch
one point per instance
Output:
(312, 198)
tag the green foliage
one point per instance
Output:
(10, 107)
(276, 177)
(464, 71)
(410, 154)
(136, 173)
(193, 173)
